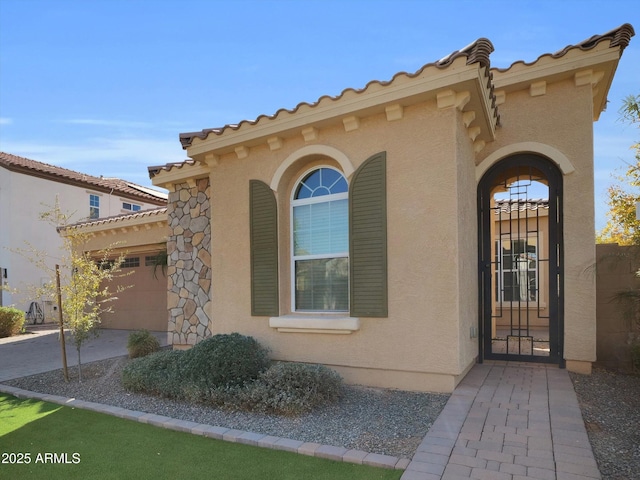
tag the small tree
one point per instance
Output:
(86, 292)
(622, 227)
(85, 278)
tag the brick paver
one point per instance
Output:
(508, 421)
(515, 421)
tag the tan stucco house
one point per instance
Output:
(29, 188)
(393, 232)
(141, 237)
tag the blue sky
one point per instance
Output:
(105, 86)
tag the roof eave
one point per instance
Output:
(166, 176)
(375, 99)
(142, 197)
(593, 62)
(147, 218)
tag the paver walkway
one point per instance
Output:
(508, 421)
(505, 421)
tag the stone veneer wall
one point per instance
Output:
(189, 263)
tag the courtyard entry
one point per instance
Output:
(520, 260)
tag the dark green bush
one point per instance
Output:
(224, 360)
(292, 388)
(11, 321)
(232, 371)
(142, 343)
(158, 373)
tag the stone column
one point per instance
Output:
(189, 263)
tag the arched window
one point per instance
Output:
(320, 242)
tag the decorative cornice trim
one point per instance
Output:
(548, 151)
(331, 152)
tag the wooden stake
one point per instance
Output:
(62, 342)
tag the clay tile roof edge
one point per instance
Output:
(620, 36)
(476, 52)
(153, 171)
(508, 206)
(117, 218)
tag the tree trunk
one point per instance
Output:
(79, 366)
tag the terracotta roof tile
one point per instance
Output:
(476, 52)
(620, 36)
(508, 206)
(153, 171)
(64, 175)
(160, 212)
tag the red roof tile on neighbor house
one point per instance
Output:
(53, 173)
(509, 206)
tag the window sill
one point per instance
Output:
(328, 324)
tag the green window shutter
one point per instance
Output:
(264, 249)
(368, 238)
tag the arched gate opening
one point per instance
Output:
(520, 260)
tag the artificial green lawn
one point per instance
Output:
(113, 448)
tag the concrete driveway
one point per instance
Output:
(39, 350)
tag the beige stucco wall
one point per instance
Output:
(432, 264)
(562, 119)
(618, 320)
(467, 254)
(433, 169)
(143, 303)
(425, 269)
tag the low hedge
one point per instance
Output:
(233, 371)
(292, 388)
(11, 321)
(158, 374)
(142, 343)
(224, 360)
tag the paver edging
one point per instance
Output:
(331, 452)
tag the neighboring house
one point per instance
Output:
(360, 231)
(142, 237)
(29, 188)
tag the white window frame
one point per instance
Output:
(133, 207)
(293, 258)
(91, 195)
(500, 271)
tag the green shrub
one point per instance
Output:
(232, 371)
(292, 388)
(142, 343)
(224, 360)
(11, 321)
(158, 373)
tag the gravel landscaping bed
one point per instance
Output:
(610, 404)
(390, 422)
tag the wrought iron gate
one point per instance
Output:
(520, 260)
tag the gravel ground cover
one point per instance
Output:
(390, 422)
(610, 404)
(374, 420)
